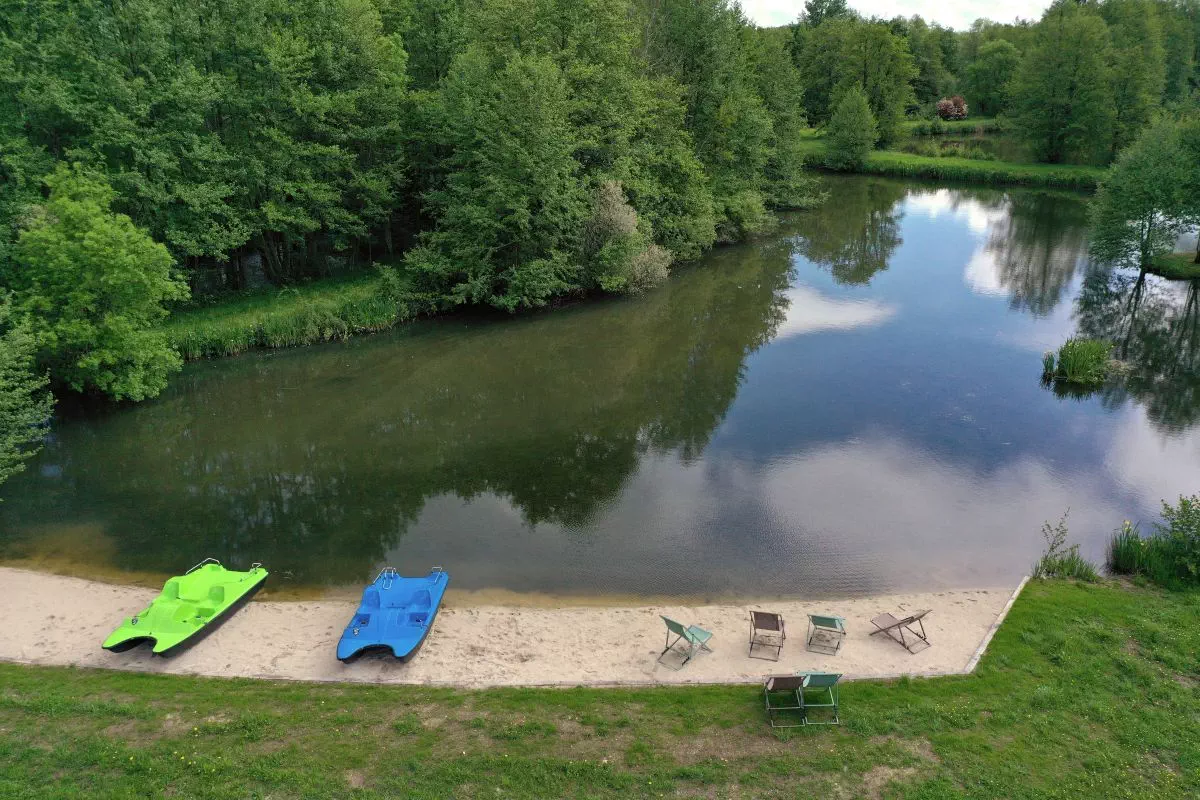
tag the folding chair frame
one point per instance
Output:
(831, 694)
(694, 643)
(794, 694)
(905, 625)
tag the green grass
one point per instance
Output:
(1176, 266)
(1087, 691)
(1082, 361)
(894, 163)
(1170, 556)
(315, 312)
(936, 127)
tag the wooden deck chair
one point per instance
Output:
(896, 629)
(693, 637)
(781, 693)
(820, 691)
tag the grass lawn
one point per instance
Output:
(1086, 692)
(1177, 266)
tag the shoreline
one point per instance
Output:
(60, 621)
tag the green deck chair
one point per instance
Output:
(694, 639)
(820, 691)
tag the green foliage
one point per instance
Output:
(1170, 556)
(1145, 201)
(851, 132)
(1061, 95)
(1083, 361)
(988, 77)
(998, 173)
(509, 215)
(1138, 67)
(851, 52)
(250, 125)
(304, 314)
(1061, 560)
(93, 286)
(1048, 364)
(25, 405)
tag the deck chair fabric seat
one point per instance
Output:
(902, 630)
(820, 693)
(781, 694)
(693, 639)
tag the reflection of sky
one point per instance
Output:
(892, 434)
(810, 311)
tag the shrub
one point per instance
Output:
(952, 107)
(1083, 361)
(1060, 559)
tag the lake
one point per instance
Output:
(851, 404)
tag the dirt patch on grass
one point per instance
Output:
(355, 778)
(1186, 681)
(877, 778)
(920, 747)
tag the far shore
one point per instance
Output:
(60, 620)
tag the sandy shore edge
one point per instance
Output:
(58, 620)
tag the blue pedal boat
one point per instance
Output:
(395, 614)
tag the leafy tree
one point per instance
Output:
(1062, 95)
(1142, 205)
(867, 54)
(25, 404)
(93, 286)
(817, 11)
(1189, 143)
(699, 44)
(1138, 67)
(989, 76)
(509, 215)
(852, 132)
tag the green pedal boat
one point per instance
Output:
(189, 606)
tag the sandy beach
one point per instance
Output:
(58, 620)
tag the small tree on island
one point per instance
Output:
(1147, 199)
(852, 131)
(92, 285)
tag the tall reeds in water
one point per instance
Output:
(1170, 556)
(1081, 361)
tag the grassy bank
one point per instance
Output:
(1005, 173)
(898, 164)
(315, 312)
(1176, 266)
(1087, 691)
(936, 127)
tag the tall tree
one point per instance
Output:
(1062, 95)
(852, 131)
(1137, 63)
(817, 11)
(988, 77)
(25, 404)
(93, 285)
(509, 215)
(1143, 203)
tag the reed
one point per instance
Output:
(1170, 556)
(1083, 361)
(937, 127)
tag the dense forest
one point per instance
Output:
(498, 153)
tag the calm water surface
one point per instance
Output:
(851, 404)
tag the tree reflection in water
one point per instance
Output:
(1155, 325)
